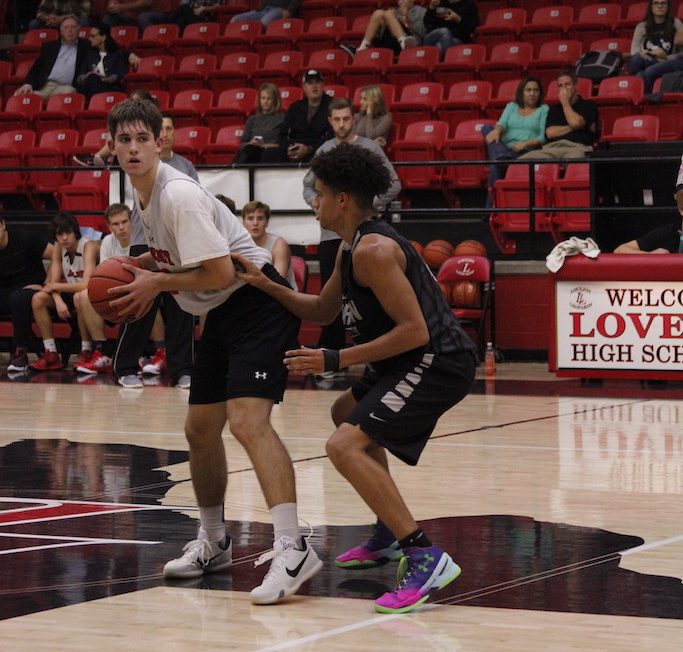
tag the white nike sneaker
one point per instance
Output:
(200, 557)
(293, 563)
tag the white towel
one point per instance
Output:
(555, 259)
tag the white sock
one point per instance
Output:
(86, 346)
(212, 523)
(285, 521)
(50, 345)
(402, 42)
(364, 45)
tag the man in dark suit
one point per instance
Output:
(59, 63)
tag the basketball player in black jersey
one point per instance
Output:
(419, 363)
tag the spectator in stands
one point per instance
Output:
(128, 13)
(663, 240)
(52, 12)
(373, 121)
(256, 217)
(58, 64)
(22, 274)
(657, 45)
(572, 125)
(187, 13)
(397, 29)
(106, 64)
(262, 129)
(270, 10)
(305, 126)
(521, 127)
(175, 347)
(104, 156)
(340, 116)
(73, 260)
(450, 22)
(116, 243)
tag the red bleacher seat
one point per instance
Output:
(196, 38)
(513, 192)
(16, 79)
(233, 107)
(460, 63)
(336, 90)
(192, 72)
(635, 12)
(55, 149)
(633, 128)
(95, 116)
(280, 68)
(155, 40)
(191, 141)
(312, 10)
(60, 112)
(616, 97)
(92, 141)
(19, 112)
(669, 110)
(571, 191)
(611, 44)
(30, 46)
(467, 144)
(358, 26)
(88, 191)
(189, 107)
(237, 37)
(422, 142)
(548, 24)
(507, 60)
(225, 12)
(151, 74)
(225, 146)
(506, 93)
(14, 145)
(554, 57)
(330, 63)
(280, 34)
(124, 35)
(163, 99)
(501, 26)
(418, 102)
(322, 34)
(465, 101)
(235, 71)
(367, 67)
(356, 8)
(414, 66)
(289, 94)
(595, 21)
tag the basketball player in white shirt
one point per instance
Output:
(238, 373)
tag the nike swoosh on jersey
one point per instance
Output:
(294, 572)
(376, 418)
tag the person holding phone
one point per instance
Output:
(262, 129)
(450, 22)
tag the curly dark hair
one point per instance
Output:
(355, 170)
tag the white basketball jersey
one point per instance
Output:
(184, 225)
(72, 270)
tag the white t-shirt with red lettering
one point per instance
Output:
(184, 225)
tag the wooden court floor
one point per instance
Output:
(562, 503)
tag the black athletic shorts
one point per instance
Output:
(242, 347)
(399, 409)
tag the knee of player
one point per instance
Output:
(39, 299)
(339, 446)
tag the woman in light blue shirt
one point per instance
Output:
(521, 127)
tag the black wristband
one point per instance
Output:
(331, 357)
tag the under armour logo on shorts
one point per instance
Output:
(260, 375)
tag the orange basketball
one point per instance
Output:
(417, 246)
(470, 248)
(466, 294)
(437, 252)
(109, 274)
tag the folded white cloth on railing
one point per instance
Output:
(555, 259)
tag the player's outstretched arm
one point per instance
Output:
(321, 309)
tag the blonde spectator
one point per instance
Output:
(373, 121)
(262, 129)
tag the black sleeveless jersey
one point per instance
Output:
(365, 319)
